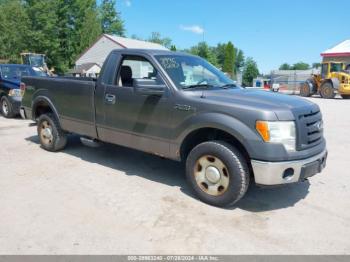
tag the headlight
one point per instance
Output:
(15, 92)
(282, 132)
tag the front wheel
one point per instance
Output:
(218, 173)
(52, 137)
(327, 91)
(6, 107)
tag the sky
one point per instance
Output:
(272, 32)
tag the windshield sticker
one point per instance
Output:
(169, 63)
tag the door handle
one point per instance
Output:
(110, 99)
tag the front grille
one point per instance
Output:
(310, 127)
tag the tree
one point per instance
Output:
(250, 71)
(203, 50)
(316, 65)
(301, 66)
(220, 52)
(239, 60)
(173, 48)
(110, 18)
(230, 59)
(157, 38)
(14, 29)
(285, 66)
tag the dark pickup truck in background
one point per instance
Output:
(10, 83)
(180, 107)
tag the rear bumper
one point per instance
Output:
(279, 173)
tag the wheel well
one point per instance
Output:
(327, 81)
(40, 108)
(208, 134)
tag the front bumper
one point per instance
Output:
(278, 173)
(22, 112)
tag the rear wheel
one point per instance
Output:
(218, 173)
(327, 91)
(52, 137)
(345, 96)
(6, 107)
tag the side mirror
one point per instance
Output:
(149, 87)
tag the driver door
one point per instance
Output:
(136, 120)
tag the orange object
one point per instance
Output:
(263, 128)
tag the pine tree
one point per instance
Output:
(229, 62)
(110, 18)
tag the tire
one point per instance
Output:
(305, 90)
(345, 96)
(218, 173)
(6, 107)
(327, 91)
(52, 137)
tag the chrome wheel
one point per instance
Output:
(5, 107)
(46, 133)
(211, 175)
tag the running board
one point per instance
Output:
(90, 142)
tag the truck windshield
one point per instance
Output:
(193, 72)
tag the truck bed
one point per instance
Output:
(73, 99)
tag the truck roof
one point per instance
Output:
(149, 52)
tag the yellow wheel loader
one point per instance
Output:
(334, 79)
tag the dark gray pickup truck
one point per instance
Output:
(180, 107)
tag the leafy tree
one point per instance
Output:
(110, 18)
(88, 24)
(157, 38)
(285, 66)
(250, 72)
(301, 66)
(220, 52)
(297, 66)
(316, 65)
(230, 58)
(173, 48)
(43, 35)
(204, 51)
(13, 29)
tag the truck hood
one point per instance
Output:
(284, 106)
(11, 83)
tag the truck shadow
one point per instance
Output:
(134, 163)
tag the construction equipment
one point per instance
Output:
(334, 79)
(36, 60)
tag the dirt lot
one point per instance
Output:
(113, 200)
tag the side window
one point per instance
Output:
(324, 70)
(136, 67)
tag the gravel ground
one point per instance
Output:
(113, 200)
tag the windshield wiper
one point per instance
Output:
(228, 85)
(197, 86)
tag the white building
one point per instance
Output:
(98, 52)
(338, 53)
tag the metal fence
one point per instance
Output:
(289, 81)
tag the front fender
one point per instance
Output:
(234, 127)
